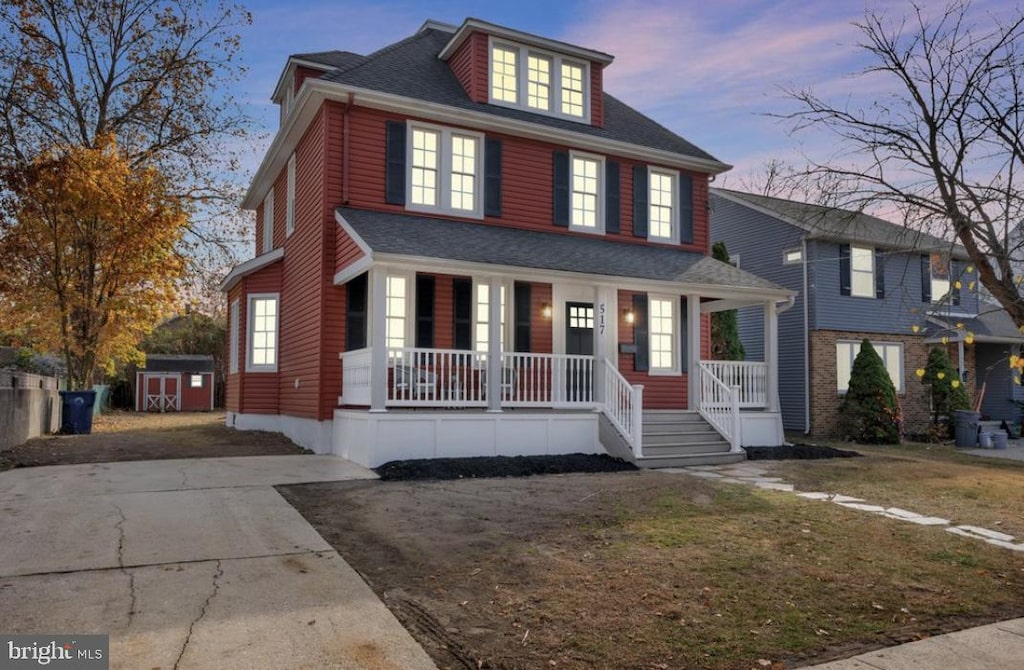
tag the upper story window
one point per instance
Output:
(538, 81)
(586, 193)
(268, 221)
(289, 216)
(862, 271)
(939, 277)
(445, 169)
(791, 256)
(663, 211)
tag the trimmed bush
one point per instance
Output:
(947, 391)
(870, 412)
(725, 331)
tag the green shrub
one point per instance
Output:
(870, 413)
(725, 330)
(948, 393)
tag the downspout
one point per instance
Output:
(807, 343)
(345, 151)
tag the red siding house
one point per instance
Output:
(464, 246)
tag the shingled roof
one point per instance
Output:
(842, 225)
(411, 68)
(426, 237)
(332, 59)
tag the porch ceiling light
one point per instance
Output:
(629, 316)
(545, 310)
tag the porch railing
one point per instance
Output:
(356, 368)
(720, 405)
(436, 378)
(750, 377)
(546, 380)
(623, 405)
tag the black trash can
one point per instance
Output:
(76, 412)
(965, 427)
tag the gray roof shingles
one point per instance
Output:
(427, 237)
(179, 363)
(333, 59)
(411, 68)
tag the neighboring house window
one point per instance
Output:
(538, 81)
(792, 256)
(445, 170)
(289, 221)
(262, 333)
(939, 277)
(891, 354)
(662, 215)
(268, 221)
(482, 329)
(662, 326)
(195, 381)
(396, 300)
(862, 271)
(235, 332)
(585, 194)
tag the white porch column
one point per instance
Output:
(379, 351)
(692, 352)
(771, 354)
(494, 345)
(604, 313)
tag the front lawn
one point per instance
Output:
(656, 570)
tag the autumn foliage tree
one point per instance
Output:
(89, 248)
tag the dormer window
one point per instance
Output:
(539, 81)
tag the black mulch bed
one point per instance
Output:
(796, 452)
(499, 466)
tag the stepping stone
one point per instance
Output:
(926, 520)
(863, 507)
(987, 534)
(776, 480)
(1007, 545)
(705, 475)
(898, 513)
(846, 499)
(816, 496)
(774, 486)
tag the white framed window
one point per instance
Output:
(195, 381)
(445, 170)
(792, 256)
(289, 216)
(396, 310)
(862, 271)
(663, 213)
(586, 193)
(481, 318)
(268, 221)
(940, 282)
(539, 81)
(663, 334)
(236, 322)
(890, 352)
(262, 333)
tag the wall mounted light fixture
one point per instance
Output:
(629, 316)
(545, 310)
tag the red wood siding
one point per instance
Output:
(232, 396)
(258, 392)
(597, 95)
(541, 329)
(660, 391)
(444, 312)
(337, 247)
(196, 399)
(346, 251)
(257, 243)
(469, 65)
(304, 73)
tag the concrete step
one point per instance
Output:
(688, 460)
(669, 450)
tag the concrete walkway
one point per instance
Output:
(192, 563)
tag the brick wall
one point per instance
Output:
(825, 399)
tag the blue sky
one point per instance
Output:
(709, 71)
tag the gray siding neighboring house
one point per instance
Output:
(806, 248)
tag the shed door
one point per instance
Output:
(162, 393)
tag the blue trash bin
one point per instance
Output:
(76, 412)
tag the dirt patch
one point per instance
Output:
(499, 466)
(129, 436)
(788, 452)
(651, 570)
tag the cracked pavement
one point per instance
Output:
(190, 564)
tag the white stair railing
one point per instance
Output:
(750, 376)
(719, 404)
(623, 405)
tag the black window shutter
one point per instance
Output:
(522, 316)
(954, 277)
(355, 314)
(492, 177)
(926, 278)
(640, 197)
(844, 269)
(611, 197)
(641, 337)
(560, 162)
(685, 209)
(425, 311)
(879, 274)
(684, 362)
(462, 311)
(394, 177)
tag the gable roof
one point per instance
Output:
(843, 225)
(992, 324)
(425, 237)
(330, 59)
(411, 68)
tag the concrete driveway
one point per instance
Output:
(193, 563)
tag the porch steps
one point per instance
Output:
(675, 439)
